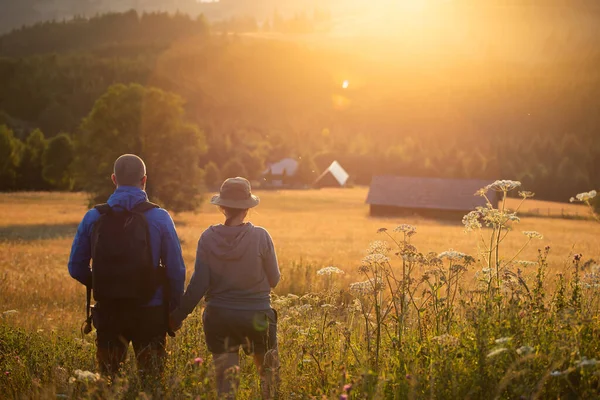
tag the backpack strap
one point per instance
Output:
(162, 271)
(103, 208)
(143, 207)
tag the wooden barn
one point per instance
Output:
(333, 177)
(428, 197)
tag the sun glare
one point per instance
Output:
(345, 84)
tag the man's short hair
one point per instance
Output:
(129, 170)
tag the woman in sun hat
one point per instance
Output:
(236, 268)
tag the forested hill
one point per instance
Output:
(475, 113)
(17, 13)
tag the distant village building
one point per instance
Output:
(334, 176)
(278, 174)
(427, 197)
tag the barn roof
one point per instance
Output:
(289, 165)
(428, 193)
(336, 170)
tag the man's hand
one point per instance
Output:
(174, 326)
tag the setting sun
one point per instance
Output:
(345, 84)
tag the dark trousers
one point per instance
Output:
(227, 330)
(144, 327)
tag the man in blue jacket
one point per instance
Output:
(145, 325)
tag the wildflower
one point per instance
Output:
(329, 271)
(347, 387)
(526, 195)
(525, 263)
(471, 221)
(407, 229)
(533, 235)
(367, 286)
(375, 259)
(360, 287)
(504, 185)
(512, 217)
(343, 397)
(356, 306)
(556, 373)
(408, 376)
(198, 361)
(525, 350)
(379, 247)
(86, 376)
(482, 192)
(492, 216)
(497, 351)
(452, 255)
(411, 258)
(6, 373)
(584, 197)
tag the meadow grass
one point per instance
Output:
(418, 347)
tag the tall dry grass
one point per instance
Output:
(311, 230)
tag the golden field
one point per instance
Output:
(311, 229)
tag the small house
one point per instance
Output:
(278, 174)
(427, 197)
(333, 177)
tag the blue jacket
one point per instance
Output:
(163, 241)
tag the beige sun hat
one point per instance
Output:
(236, 193)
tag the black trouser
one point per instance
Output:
(226, 330)
(117, 326)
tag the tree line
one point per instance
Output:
(256, 101)
(35, 163)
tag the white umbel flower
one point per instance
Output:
(503, 185)
(330, 271)
(406, 228)
(584, 197)
(452, 255)
(533, 235)
(375, 259)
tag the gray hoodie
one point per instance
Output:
(236, 267)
